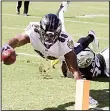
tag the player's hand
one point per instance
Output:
(5, 47)
(8, 55)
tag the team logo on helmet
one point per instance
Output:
(70, 44)
(85, 58)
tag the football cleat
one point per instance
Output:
(92, 101)
(64, 6)
(25, 14)
(17, 10)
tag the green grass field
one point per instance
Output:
(30, 83)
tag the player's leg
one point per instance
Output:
(105, 54)
(18, 6)
(85, 41)
(26, 7)
(60, 14)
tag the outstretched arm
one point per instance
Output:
(19, 40)
(71, 61)
(8, 48)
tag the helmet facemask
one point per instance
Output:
(49, 32)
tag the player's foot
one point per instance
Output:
(17, 10)
(95, 43)
(64, 6)
(25, 14)
(92, 101)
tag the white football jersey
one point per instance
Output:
(57, 50)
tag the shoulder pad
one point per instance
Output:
(35, 24)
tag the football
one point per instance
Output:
(8, 56)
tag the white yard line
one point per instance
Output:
(12, 28)
(25, 54)
(92, 16)
(92, 23)
(100, 8)
(73, 21)
(14, 15)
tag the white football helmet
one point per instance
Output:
(85, 57)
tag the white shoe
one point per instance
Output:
(64, 6)
(92, 101)
(95, 43)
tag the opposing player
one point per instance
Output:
(90, 64)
